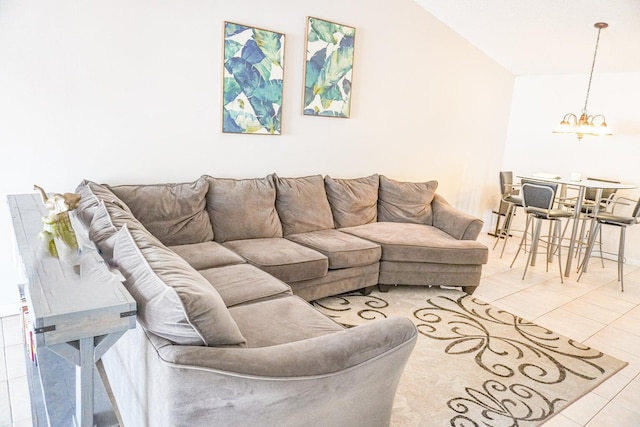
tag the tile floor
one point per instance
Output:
(593, 311)
(15, 406)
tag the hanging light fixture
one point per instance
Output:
(585, 124)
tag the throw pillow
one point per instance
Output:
(174, 213)
(174, 301)
(90, 196)
(353, 201)
(405, 201)
(243, 208)
(302, 204)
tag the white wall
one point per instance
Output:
(539, 102)
(128, 91)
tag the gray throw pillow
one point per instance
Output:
(102, 231)
(174, 301)
(243, 208)
(353, 201)
(108, 218)
(174, 213)
(90, 196)
(405, 201)
(302, 204)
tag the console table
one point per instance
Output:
(77, 310)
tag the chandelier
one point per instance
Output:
(586, 124)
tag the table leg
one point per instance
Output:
(574, 230)
(592, 228)
(84, 384)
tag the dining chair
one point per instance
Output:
(539, 199)
(620, 221)
(509, 194)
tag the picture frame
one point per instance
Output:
(253, 75)
(328, 68)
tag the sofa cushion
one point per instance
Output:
(241, 283)
(302, 204)
(353, 201)
(174, 301)
(281, 320)
(90, 196)
(174, 213)
(405, 201)
(243, 208)
(284, 259)
(343, 250)
(420, 243)
(207, 255)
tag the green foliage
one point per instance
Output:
(269, 43)
(326, 31)
(231, 29)
(337, 65)
(231, 89)
(231, 47)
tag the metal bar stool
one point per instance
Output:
(610, 218)
(509, 195)
(539, 198)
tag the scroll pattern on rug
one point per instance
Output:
(522, 361)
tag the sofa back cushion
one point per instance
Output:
(90, 196)
(174, 301)
(405, 201)
(243, 208)
(302, 204)
(174, 213)
(353, 201)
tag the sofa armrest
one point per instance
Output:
(456, 223)
(322, 355)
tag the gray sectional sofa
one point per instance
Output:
(222, 271)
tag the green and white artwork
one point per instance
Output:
(253, 73)
(328, 69)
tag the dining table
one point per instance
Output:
(582, 185)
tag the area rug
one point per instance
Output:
(475, 364)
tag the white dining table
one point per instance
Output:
(582, 186)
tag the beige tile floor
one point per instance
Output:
(593, 311)
(15, 407)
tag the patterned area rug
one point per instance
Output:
(475, 364)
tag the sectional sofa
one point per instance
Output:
(222, 271)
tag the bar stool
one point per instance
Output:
(610, 218)
(509, 195)
(539, 198)
(590, 205)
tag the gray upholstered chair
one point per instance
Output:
(621, 221)
(509, 196)
(539, 200)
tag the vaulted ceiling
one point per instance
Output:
(547, 36)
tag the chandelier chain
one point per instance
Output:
(593, 64)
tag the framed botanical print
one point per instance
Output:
(252, 80)
(328, 68)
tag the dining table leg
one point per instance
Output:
(592, 228)
(574, 230)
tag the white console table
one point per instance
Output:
(77, 311)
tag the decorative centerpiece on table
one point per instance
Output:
(57, 225)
